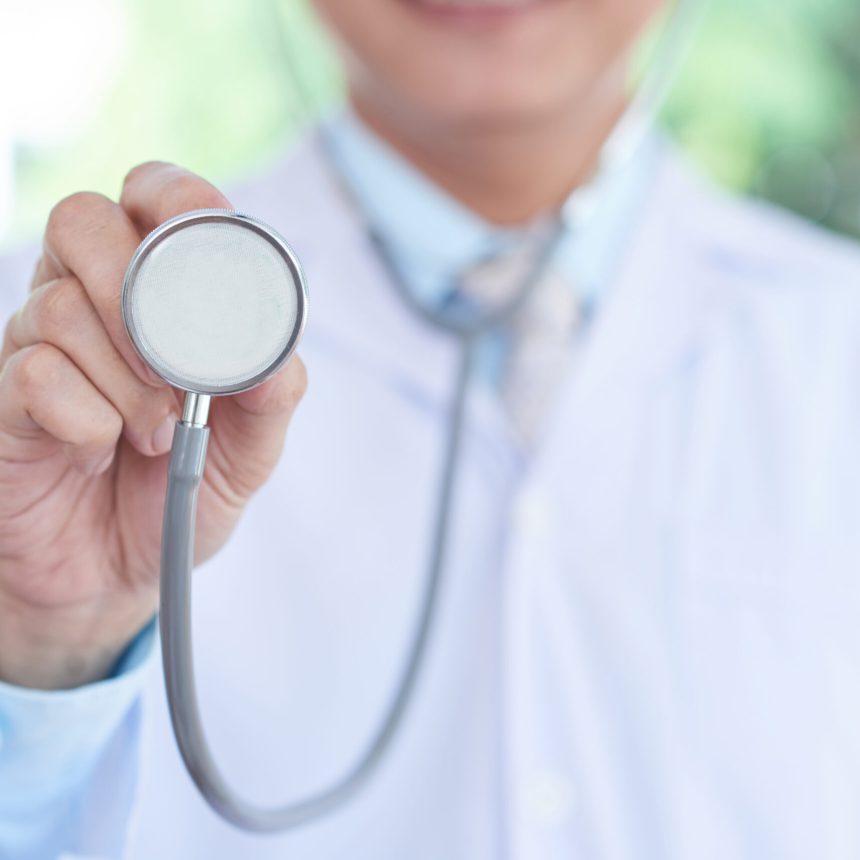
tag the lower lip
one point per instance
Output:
(476, 13)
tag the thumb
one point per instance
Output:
(247, 433)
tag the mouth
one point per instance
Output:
(477, 11)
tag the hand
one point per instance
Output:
(84, 432)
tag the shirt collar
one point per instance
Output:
(433, 237)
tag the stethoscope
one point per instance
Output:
(215, 303)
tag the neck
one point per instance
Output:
(507, 174)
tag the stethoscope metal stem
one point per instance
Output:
(195, 410)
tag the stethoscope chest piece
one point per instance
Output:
(214, 301)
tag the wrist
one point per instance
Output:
(54, 648)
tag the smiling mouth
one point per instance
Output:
(477, 4)
(477, 9)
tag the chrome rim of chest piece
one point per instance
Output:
(214, 301)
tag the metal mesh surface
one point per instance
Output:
(214, 305)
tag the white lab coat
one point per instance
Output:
(648, 644)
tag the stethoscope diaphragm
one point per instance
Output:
(214, 301)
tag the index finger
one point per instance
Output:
(156, 191)
(90, 237)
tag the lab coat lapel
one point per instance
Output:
(642, 325)
(355, 308)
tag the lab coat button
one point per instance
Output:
(547, 798)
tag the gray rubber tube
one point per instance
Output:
(187, 461)
(185, 472)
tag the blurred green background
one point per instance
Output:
(768, 101)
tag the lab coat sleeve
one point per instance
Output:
(68, 762)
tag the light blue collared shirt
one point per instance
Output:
(50, 741)
(434, 238)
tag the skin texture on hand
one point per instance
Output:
(84, 433)
(507, 111)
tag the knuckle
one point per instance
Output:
(101, 434)
(171, 190)
(189, 190)
(35, 367)
(81, 210)
(60, 306)
(145, 168)
(109, 426)
(104, 424)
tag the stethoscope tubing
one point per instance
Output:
(187, 464)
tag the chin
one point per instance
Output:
(482, 62)
(495, 95)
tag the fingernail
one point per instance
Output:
(162, 439)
